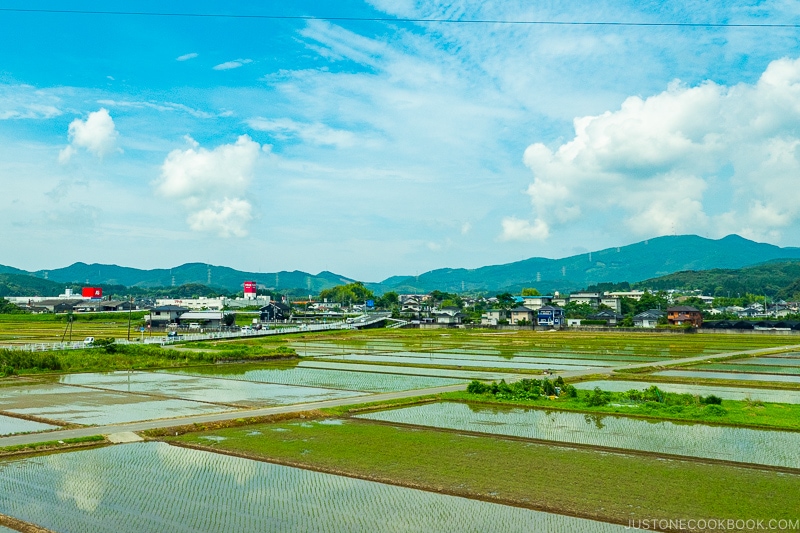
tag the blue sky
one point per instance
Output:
(373, 148)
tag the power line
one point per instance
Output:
(410, 20)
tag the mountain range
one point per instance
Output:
(633, 263)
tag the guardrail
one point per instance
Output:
(79, 345)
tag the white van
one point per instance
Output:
(194, 325)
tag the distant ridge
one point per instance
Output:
(635, 262)
(643, 260)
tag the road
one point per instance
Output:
(296, 408)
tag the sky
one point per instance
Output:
(374, 148)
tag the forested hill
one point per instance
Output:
(222, 277)
(778, 279)
(636, 262)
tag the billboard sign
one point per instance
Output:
(370, 303)
(92, 292)
(250, 287)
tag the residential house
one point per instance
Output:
(648, 319)
(275, 311)
(609, 317)
(493, 317)
(448, 315)
(205, 319)
(550, 315)
(521, 315)
(683, 314)
(165, 314)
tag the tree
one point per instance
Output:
(347, 294)
(505, 300)
(389, 300)
(530, 291)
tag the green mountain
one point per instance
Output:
(779, 279)
(191, 273)
(636, 262)
(641, 261)
(27, 285)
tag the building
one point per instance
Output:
(635, 295)
(609, 317)
(204, 319)
(588, 298)
(648, 319)
(196, 304)
(524, 315)
(165, 314)
(550, 315)
(681, 315)
(448, 315)
(275, 311)
(536, 302)
(493, 317)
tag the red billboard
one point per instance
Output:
(92, 292)
(250, 287)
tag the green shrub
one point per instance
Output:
(714, 410)
(711, 400)
(597, 398)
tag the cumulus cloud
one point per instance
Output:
(97, 135)
(236, 63)
(315, 133)
(209, 183)
(186, 57)
(658, 163)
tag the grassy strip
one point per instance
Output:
(131, 357)
(612, 487)
(51, 445)
(738, 413)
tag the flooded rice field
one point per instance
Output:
(202, 389)
(10, 425)
(726, 393)
(774, 448)
(328, 378)
(415, 371)
(101, 490)
(740, 376)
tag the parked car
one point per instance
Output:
(88, 341)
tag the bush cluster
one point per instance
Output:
(12, 361)
(524, 389)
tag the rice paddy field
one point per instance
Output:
(189, 491)
(193, 490)
(773, 448)
(24, 329)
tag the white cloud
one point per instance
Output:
(657, 164)
(26, 102)
(236, 63)
(186, 57)
(315, 133)
(159, 106)
(466, 227)
(97, 134)
(515, 229)
(209, 184)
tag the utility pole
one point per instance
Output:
(130, 311)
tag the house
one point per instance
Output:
(683, 314)
(521, 315)
(57, 305)
(165, 314)
(116, 305)
(648, 319)
(448, 315)
(205, 319)
(195, 304)
(274, 311)
(536, 302)
(550, 315)
(493, 317)
(609, 317)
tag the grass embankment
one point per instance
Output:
(52, 445)
(130, 357)
(733, 382)
(605, 486)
